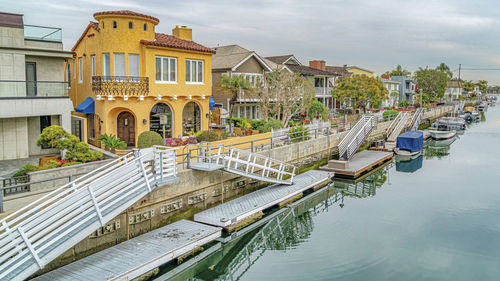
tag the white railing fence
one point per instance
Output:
(355, 137)
(40, 232)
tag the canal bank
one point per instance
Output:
(435, 218)
(198, 190)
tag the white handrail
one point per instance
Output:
(40, 232)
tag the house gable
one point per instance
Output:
(251, 65)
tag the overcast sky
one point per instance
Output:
(376, 35)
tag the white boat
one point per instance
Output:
(405, 155)
(409, 145)
(442, 135)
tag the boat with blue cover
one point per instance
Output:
(409, 144)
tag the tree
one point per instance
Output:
(362, 89)
(233, 85)
(317, 108)
(283, 94)
(483, 85)
(399, 71)
(445, 69)
(432, 82)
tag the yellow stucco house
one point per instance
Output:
(356, 71)
(126, 79)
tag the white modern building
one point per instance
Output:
(33, 94)
(393, 89)
(454, 89)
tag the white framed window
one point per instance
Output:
(93, 65)
(194, 72)
(165, 70)
(119, 64)
(68, 74)
(80, 70)
(133, 65)
(106, 65)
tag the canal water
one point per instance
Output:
(434, 218)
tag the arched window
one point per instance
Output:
(160, 120)
(114, 24)
(191, 118)
(145, 27)
(130, 25)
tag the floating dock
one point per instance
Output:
(137, 256)
(360, 163)
(249, 206)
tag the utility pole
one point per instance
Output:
(459, 72)
(421, 98)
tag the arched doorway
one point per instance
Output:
(160, 120)
(191, 118)
(125, 127)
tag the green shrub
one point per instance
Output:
(28, 168)
(149, 139)
(271, 124)
(404, 103)
(207, 136)
(224, 135)
(390, 114)
(111, 142)
(56, 137)
(318, 108)
(82, 153)
(298, 133)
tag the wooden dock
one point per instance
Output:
(361, 163)
(137, 256)
(249, 206)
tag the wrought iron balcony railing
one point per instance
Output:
(120, 85)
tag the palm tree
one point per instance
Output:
(399, 71)
(233, 85)
(444, 68)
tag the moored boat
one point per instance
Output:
(409, 144)
(442, 132)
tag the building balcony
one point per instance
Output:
(324, 92)
(130, 86)
(42, 33)
(32, 89)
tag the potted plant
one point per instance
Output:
(111, 142)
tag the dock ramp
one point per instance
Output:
(397, 126)
(206, 157)
(417, 119)
(355, 137)
(35, 235)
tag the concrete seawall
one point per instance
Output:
(199, 190)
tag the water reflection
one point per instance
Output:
(409, 165)
(438, 148)
(285, 231)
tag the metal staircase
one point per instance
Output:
(35, 235)
(417, 119)
(208, 157)
(355, 137)
(398, 127)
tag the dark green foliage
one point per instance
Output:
(390, 114)
(273, 124)
(149, 139)
(28, 168)
(112, 142)
(317, 108)
(207, 136)
(56, 137)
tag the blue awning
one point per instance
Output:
(211, 103)
(87, 106)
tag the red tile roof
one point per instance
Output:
(126, 13)
(169, 41)
(93, 25)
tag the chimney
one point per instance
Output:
(318, 64)
(183, 32)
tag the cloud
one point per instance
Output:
(374, 34)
